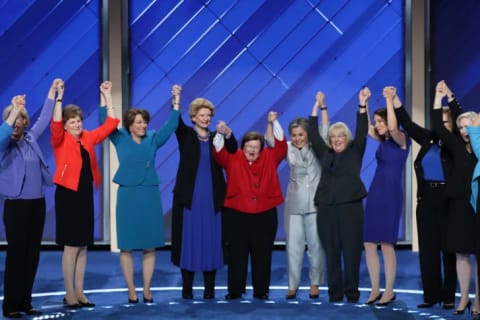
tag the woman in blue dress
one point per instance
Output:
(139, 210)
(198, 198)
(385, 198)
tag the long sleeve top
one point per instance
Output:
(68, 158)
(13, 167)
(137, 160)
(253, 188)
(189, 148)
(340, 183)
(458, 184)
(426, 139)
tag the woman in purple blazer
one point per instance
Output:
(23, 173)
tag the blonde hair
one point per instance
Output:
(200, 103)
(342, 128)
(23, 113)
(469, 115)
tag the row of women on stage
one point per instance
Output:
(217, 222)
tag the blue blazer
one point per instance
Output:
(137, 160)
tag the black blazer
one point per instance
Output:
(342, 183)
(426, 139)
(458, 184)
(189, 148)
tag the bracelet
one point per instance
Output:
(362, 107)
(323, 108)
(59, 100)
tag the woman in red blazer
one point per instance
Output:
(76, 170)
(250, 217)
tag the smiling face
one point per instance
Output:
(252, 149)
(202, 118)
(138, 128)
(19, 128)
(299, 137)
(380, 125)
(338, 140)
(463, 124)
(74, 126)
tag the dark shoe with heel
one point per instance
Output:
(386, 303)
(133, 301)
(291, 294)
(448, 305)
(369, 302)
(71, 305)
(147, 300)
(462, 311)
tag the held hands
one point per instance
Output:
(176, 91)
(389, 92)
(363, 96)
(19, 101)
(320, 99)
(272, 116)
(222, 128)
(106, 88)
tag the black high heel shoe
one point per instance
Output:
(462, 311)
(146, 300)
(291, 294)
(369, 302)
(382, 304)
(71, 306)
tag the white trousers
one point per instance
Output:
(301, 229)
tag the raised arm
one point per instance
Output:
(391, 98)
(56, 89)
(106, 100)
(176, 93)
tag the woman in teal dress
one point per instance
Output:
(139, 211)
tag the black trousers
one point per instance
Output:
(432, 211)
(249, 235)
(340, 228)
(24, 221)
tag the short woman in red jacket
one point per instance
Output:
(75, 174)
(250, 216)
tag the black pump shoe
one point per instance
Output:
(427, 305)
(146, 300)
(382, 304)
(369, 302)
(133, 300)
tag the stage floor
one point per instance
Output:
(105, 286)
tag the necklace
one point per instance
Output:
(202, 137)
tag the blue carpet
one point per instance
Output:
(105, 286)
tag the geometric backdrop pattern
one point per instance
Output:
(250, 57)
(44, 40)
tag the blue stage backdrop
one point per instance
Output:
(44, 40)
(248, 57)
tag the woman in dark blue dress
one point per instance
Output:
(385, 198)
(198, 200)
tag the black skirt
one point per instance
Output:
(75, 210)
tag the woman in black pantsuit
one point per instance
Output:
(432, 165)
(461, 219)
(339, 198)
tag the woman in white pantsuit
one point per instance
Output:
(300, 212)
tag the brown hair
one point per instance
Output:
(382, 113)
(129, 117)
(253, 135)
(200, 103)
(71, 111)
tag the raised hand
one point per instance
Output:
(320, 98)
(389, 92)
(363, 96)
(176, 92)
(272, 116)
(106, 88)
(222, 128)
